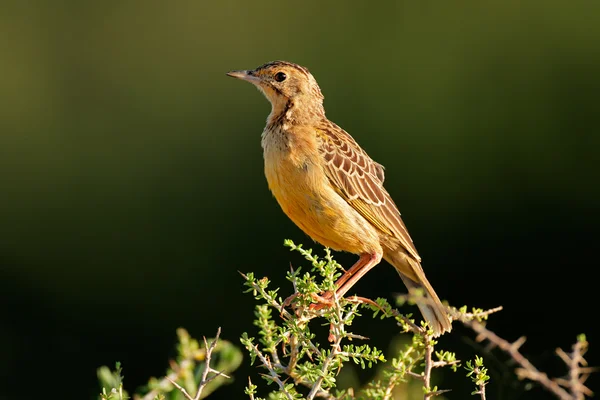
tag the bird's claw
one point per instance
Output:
(322, 301)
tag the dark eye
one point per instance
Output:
(280, 76)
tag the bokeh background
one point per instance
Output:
(132, 191)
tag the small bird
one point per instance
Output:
(330, 188)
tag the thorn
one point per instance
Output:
(518, 343)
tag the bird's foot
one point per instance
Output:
(364, 300)
(325, 300)
(288, 300)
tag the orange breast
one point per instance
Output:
(298, 182)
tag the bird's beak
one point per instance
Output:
(244, 75)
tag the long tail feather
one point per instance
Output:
(434, 312)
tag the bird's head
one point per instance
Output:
(289, 87)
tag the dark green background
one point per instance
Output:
(131, 183)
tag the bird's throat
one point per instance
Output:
(282, 112)
(287, 113)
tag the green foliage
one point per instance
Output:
(478, 374)
(186, 371)
(299, 366)
(112, 380)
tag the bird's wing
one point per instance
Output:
(359, 180)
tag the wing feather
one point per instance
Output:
(359, 180)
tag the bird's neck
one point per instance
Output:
(289, 113)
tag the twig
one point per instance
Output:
(578, 370)
(398, 376)
(440, 364)
(414, 328)
(476, 315)
(425, 376)
(321, 393)
(480, 385)
(165, 381)
(337, 336)
(285, 314)
(207, 369)
(428, 365)
(526, 370)
(251, 395)
(274, 376)
(289, 370)
(478, 374)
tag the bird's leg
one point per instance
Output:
(350, 277)
(362, 261)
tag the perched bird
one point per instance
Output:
(328, 185)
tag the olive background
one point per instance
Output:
(132, 190)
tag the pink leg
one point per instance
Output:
(350, 277)
(364, 259)
(364, 264)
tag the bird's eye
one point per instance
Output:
(280, 76)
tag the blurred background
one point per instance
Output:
(132, 190)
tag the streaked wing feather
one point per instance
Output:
(359, 180)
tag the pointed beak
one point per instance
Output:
(244, 75)
(238, 74)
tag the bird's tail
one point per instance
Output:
(434, 312)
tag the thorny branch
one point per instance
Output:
(336, 335)
(294, 348)
(292, 344)
(480, 387)
(397, 378)
(577, 365)
(207, 369)
(274, 375)
(425, 376)
(578, 369)
(295, 344)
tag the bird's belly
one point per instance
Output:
(307, 198)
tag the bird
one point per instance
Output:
(330, 187)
